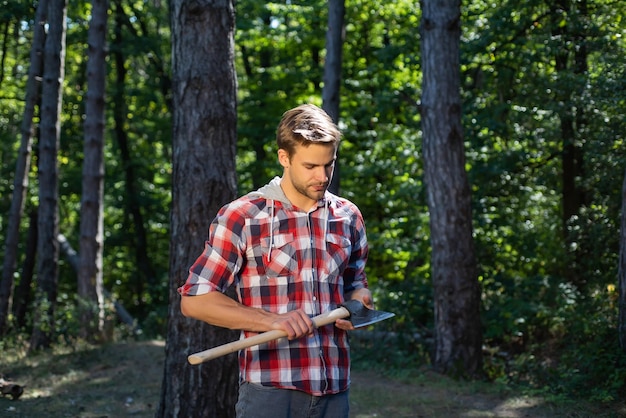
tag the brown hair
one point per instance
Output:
(304, 125)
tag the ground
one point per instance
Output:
(124, 379)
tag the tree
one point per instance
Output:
(48, 220)
(20, 181)
(458, 335)
(569, 21)
(144, 272)
(23, 295)
(90, 282)
(204, 148)
(332, 70)
(622, 272)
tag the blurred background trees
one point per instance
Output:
(543, 99)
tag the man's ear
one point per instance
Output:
(283, 158)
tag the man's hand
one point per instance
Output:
(365, 297)
(295, 323)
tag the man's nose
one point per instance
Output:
(321, 174)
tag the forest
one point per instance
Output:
(543, 91)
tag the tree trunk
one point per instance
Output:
(332, 70)
(20, 182)
(621, 275)
(570, 114)
(48, 220)
(571, 51)
(90, 282)
(204, 178)
(23, 295)
(144, 272)
(458, 335)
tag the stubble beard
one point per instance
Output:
(310, 193)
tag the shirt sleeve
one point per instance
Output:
(217, 266)
(354, 276)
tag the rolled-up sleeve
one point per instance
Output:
(217, 266)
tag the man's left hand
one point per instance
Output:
(365, 297)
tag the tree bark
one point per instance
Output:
(20, 182)
(23, 295)
(48, 220)
(621, 275)
(332, 71)
(204, 178)
(570, 115)
(458, 335)
(90, 281)
(571, 52)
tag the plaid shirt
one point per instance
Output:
(282, 259)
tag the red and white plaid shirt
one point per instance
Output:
(282, 259)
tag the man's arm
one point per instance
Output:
(354, 275)
(218, 309)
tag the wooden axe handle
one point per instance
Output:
(222, 350)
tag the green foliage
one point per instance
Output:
(544, 279)
(581, 358)
(279, 64)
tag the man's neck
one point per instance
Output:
(296, 198)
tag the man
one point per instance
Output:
(294, 251)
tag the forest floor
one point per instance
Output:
(124, 380)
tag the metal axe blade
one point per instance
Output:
(361, 316)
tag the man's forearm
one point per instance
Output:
(218, 309)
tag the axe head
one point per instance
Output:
(361, 316)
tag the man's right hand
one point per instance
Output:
(295, 323)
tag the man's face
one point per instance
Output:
(307, 173)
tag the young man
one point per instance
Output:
(294, 251)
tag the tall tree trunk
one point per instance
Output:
(3, 50)
(90, 282)
(332, 70)
(48, 220)
(573, 197)
(204, 178)
(20, 182)
(144, 273)
(23, 295)
(622, 271)
(571, 52)
(458, 335)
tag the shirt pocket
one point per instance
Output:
(338, 250)
(279, 255)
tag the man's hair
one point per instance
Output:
(305, 125)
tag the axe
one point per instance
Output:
(354, 310)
